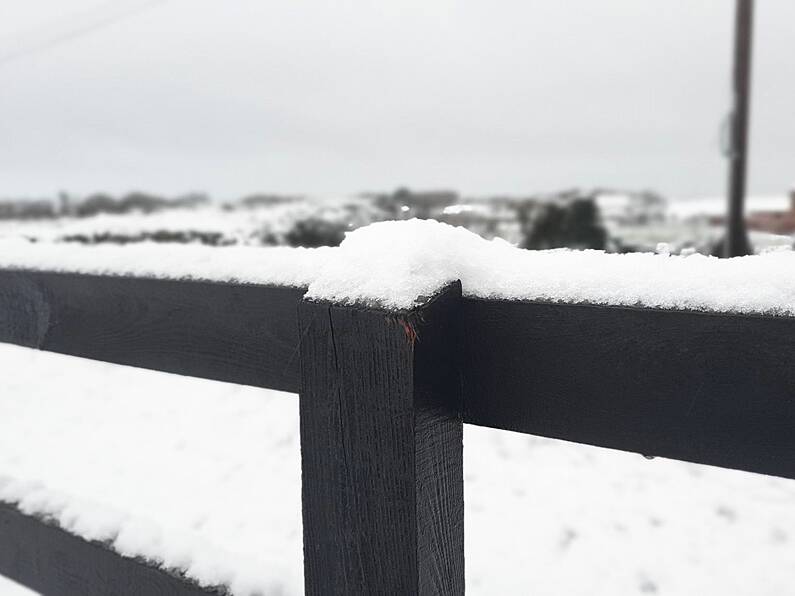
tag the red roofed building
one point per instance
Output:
(775, 222)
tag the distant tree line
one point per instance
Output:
(95, 204)
(135, 202)
(27, 209)
(98, 203)
(167, 236)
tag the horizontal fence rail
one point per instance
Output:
(384, 394)
(240, 333)
(707, 388)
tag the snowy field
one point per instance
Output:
(685, 222)
(9, 588)
(716, 205)
(262, 225)
(204, 476)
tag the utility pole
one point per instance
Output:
(736, 241)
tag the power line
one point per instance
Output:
(90, 23)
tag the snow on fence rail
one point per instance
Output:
(390, 359)
(394, 264)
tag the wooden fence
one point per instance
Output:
(383, 399)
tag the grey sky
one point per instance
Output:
(346, 95)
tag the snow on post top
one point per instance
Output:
(397, 264)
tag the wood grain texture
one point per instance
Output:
(54, 562)
(244, 334)
(381, 447)
(707, 388)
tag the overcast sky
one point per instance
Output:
(340, 96)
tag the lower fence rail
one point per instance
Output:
(52, 561)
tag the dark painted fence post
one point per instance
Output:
(381, 448)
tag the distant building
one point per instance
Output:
(775, 222)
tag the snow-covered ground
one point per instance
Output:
(688, 234)
(684, 208)
(205, 476)
(199, 475)
(234, 225)
(255, 226)
(9, 588)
